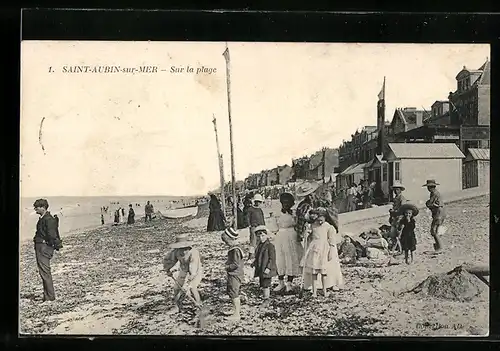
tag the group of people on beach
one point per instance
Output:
(119, 214)
(304, 242)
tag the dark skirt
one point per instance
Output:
(130, 220)
(241, 220)
(408, 241)
(216, 221)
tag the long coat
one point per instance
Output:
(216, 219)
(131, 216)
(265, 257)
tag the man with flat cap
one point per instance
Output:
(46, 241)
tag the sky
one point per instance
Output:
(152, 134)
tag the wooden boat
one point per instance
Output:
(178, 213)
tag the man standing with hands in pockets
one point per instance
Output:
(46, 241)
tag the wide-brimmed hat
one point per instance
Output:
(408, 206)
(306, 188)
(181, 240)
(258, 197)
(287, 197)
(398, 186)
(430, 182)
(232, 233)
(261, 228)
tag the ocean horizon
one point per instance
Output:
(84, 212)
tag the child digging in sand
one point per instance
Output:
(407, 236)
(234, 269)
(190, 270)
(264, 263)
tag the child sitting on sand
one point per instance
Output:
(264, 263)
(234, 269)
(190, 270)
(347, 251)
(407, 231)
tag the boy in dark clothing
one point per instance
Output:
(255, 219)
(265, 262)
(234, 269)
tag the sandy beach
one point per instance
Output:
(110, 280)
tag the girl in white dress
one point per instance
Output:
(289, 250)
(321, 257)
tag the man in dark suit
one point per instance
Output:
(45, 239)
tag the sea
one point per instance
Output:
(80, 213)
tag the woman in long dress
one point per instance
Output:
(321, 256)
(131, 215)
(216, 219)
(289, 250)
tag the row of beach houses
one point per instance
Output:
(449, 143)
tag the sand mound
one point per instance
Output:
(457, 285)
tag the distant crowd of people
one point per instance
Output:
(118, 214)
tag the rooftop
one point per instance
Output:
(425, 150)
(479, 154)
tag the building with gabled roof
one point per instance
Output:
(413, 163)
(408, 118)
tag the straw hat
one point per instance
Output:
(181, 241)
(261, 228)
(430, 182)
(398, 185)
(306, 188)
(408, 206)
(258, 197)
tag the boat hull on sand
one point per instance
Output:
(178, 213)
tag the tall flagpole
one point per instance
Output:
(221, 168)
(233, 177)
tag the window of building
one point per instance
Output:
(397, 173)
(385, 168)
